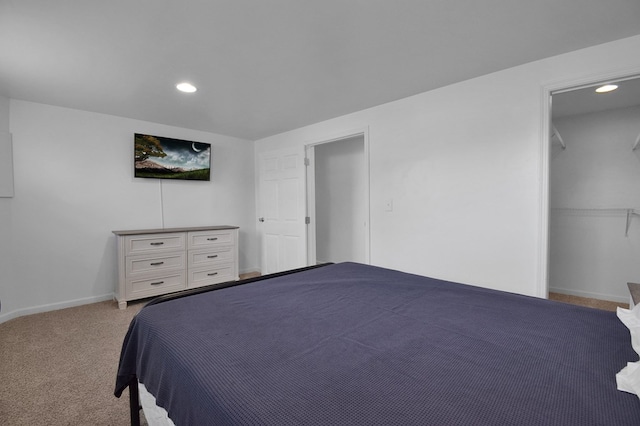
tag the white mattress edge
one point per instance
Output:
(155, 415)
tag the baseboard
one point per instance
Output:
(54, 307)
(590, 295)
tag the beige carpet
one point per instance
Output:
(585, 301)
(59, 368)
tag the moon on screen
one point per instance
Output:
(193, 146)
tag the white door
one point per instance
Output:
(282, 210)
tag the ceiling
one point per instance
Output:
(585, 100)
(263, 67)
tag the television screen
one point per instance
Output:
(166, 158)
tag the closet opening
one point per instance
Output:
(594, 194)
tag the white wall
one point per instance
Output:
(590, 255)
(464, 167)
(340, 210)
(74, 185)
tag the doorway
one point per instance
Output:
(594, 191)
(338, 200)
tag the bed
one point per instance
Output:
(361, 345)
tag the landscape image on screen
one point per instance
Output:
(166, 158)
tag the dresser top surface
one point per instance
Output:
(168, 230)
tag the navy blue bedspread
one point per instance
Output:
(360, 345)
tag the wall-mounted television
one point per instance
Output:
(158, 157)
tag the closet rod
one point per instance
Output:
(629, 213)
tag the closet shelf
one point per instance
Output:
(629, 213)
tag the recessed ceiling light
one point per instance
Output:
(606, 88)
(186, 87)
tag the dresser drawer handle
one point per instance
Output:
(158, 283)
(212, 257)
(212, 274)
(156, 263)
(212, 239)
(157, 244)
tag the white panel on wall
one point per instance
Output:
(6, 165)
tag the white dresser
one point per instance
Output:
(152, 262)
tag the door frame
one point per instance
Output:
(547, 90)
(309, 150)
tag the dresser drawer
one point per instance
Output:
(151, 264)
(203, 239)
(211, 256)
(213, 275)
(147, 287)
(153, 243)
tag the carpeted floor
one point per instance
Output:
(584, 301)
(59, 368)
